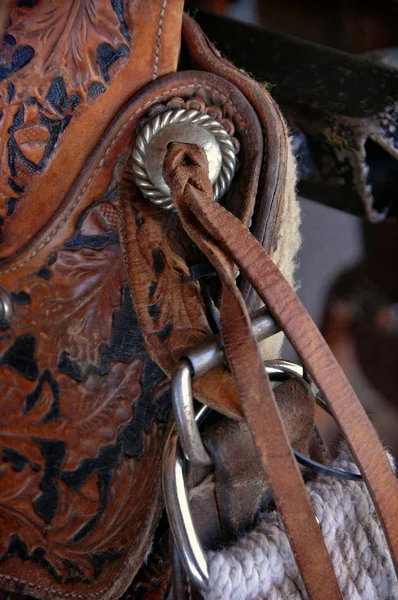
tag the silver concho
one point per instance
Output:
(183, 125)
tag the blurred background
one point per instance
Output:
(347, 269)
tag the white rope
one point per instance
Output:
(261, 565)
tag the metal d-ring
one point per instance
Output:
(184, 413)
(284, 369)
(280, 370)
(195, 363)
(181, 523)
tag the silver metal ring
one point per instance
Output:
(6, 307)
(280, 370)
(183, 125)
(184, 413)
(283, 369)
(182, 527)
(196, 362)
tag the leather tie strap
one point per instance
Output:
(185, 171)
(317, 357)
(225, 234)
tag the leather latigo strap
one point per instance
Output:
(224, 240)
(83, 410)
(185, 171)
(231, 498)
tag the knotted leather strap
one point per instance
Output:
(186, 173)
(225, 241)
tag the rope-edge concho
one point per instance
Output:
(214, 132)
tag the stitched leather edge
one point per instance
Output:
(159, 39)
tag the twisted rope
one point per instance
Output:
(261, 564)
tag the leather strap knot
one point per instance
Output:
(186, 164)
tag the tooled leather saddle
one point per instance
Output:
(120, 123)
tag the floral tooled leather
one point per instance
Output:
(83, 410)
(66, 68)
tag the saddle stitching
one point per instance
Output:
(54, 231)
(159, 40)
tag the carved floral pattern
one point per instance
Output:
(75, 49)
(82, 409)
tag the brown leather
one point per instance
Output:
(158, 255)
(228, 499)
(272, 187)
(83, 410)
(63, 46)
(186, 172)
(95, 350)
(223, 230)
(88, 353)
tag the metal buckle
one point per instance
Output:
(185, 448)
